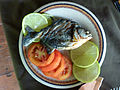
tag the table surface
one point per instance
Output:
(8, 79)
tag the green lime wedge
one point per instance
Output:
(48, 17)
(36, 21)
(86, 75)
(85, 55)
(37, 40)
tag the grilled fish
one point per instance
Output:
(63, 34)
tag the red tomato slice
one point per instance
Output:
(49, 60)
(67, 72)
(54, 63)
(37, 54)
(57, 71)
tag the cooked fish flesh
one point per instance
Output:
(63, 34)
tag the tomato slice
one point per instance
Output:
(67, 72)
(37, 54)
(57, 71)
(49, 60)
(54, 63)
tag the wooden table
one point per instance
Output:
(8, 79)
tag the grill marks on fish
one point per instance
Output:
(62, 34)
(51, 29)
(61, 30)
(57, 28)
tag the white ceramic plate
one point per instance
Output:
(76, 13)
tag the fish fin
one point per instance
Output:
(49, 50)
(31, 32)
(47, 46)
(26, 40)
(29, 29)
(31, 36)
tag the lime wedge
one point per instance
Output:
(86, 75)
(37, 40)
(48, 17)
(36, 21)
(85, 55)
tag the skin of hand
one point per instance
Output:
(95, 85)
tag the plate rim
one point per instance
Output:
(47, 83)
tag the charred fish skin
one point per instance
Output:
(47, 46)
(63, 34)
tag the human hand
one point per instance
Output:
(95, 85)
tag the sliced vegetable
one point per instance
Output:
(86, 55)
(48, 17)
(49, 60)
(57, 71)
(67, 72)
(36, 21)
(54, 63)
(37, 54)
(86, 75)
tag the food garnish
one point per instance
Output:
(86, 75)
(54, 64)
(63, 71)
(36, 21)
(86, 55)
(67, 72)
(37, 54)
(54, 73)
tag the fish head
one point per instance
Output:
(80, 36)
(80, 33)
